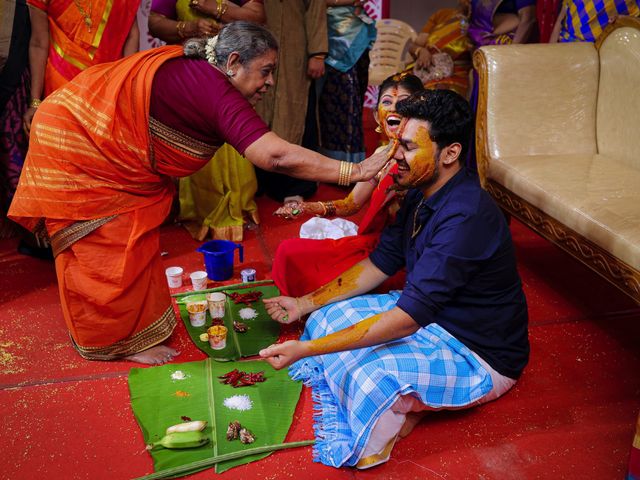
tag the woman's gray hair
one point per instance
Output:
(247, 39)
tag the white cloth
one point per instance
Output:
(318, 228)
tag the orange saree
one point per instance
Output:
(83, 33)
(101, 189)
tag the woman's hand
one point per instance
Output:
(204, 27)
(27, 118)
(315, 67)
(369, 167)
(282, 355)
(283, 309)
(423, 60)
(290, 210)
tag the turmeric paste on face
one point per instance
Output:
(344, 339)
(345, 283)
(423, 164)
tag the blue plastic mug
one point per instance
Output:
(218, 258)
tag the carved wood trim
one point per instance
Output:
(482, 155)
(617, 272)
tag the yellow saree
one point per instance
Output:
(217, 199)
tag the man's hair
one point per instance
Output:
(409, 82)
(448, 113)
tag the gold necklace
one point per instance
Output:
(87, 16)
(416, 226)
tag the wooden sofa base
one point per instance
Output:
(618, 273)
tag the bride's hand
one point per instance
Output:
(289, 210)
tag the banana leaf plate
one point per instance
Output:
(262, 332)
(170, 394)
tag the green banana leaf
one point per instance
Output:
(159, 401)
(263, 331)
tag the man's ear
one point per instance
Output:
(451, 153)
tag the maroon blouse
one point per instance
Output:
(192, 97)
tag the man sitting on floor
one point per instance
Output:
(455, 337)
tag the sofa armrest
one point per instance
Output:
(537, 99)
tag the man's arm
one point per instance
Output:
(381, 328)
(359, 279)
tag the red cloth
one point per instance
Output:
(302, 265)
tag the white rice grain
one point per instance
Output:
(178, 375)
(238, 402)
(247, 313)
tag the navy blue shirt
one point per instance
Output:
(461, 270)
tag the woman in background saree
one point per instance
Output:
(98, 176)
(68, 36)
(445, 32)
(500, 22)
(215, 200)
(351, 33)
(584, 20)
(14, 100)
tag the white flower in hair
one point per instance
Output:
(210, 50)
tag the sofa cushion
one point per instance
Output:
(595, 195)
(618, 129)
(541, 99)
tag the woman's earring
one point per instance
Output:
(230, 73)
(378, 129)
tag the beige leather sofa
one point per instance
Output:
(558, 144)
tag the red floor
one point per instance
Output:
(571, 416)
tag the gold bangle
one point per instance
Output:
(225, 4)
(35, 103)
(344, 177)
(320, 57)
(324, 209)
(180, 29)
(349, 172)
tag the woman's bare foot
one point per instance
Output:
(413, 418)
(154, 356)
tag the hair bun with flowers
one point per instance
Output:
(210, 50)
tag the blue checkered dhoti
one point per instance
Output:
(352, 389)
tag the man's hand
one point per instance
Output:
(283, 309)
(282, 355)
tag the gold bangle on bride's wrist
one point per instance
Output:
(34, 103)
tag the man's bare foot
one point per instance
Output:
(154, 356)
(413, 418)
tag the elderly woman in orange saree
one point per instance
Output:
(98, 176)
(67, 36)
(444, 33)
